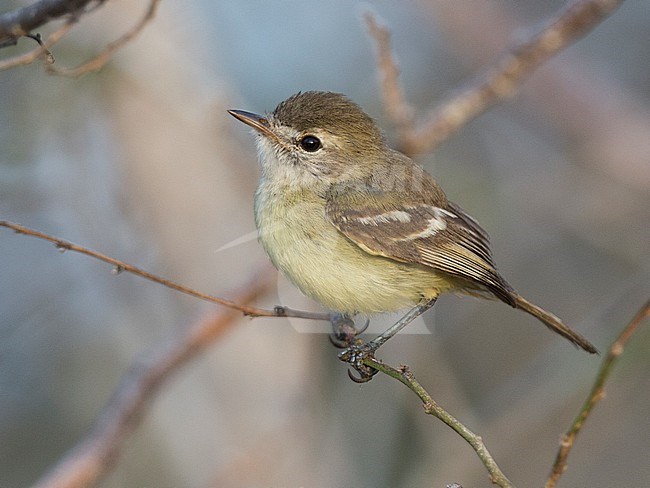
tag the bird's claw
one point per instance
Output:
(364, 375)
(355, 355)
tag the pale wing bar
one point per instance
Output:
(446, 239)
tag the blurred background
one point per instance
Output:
(141, 161)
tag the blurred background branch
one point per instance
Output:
(98, 61)
(89, 460)
(22, 21)
(43, 50)
(497, 84)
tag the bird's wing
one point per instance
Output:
(441, 236)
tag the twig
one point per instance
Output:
(121, 266)
(597, 393)
(498, 84)
(98, 62)
(404, 375)
(90, 459)
(20, 22)
(49, 57)
(34, 54)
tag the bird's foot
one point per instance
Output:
(355, 355)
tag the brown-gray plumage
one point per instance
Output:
(437, 234)
(328, 174)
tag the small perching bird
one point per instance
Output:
(360, 227)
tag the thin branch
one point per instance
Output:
(18, 23)
(21, 22)
(92, 458)
(499, 83)
(404, 375)
(121, 266)
(34, 54)
(98, 62)
(49, 57)
(597, 393)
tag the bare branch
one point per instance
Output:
(121, 266)
(98, 62)
(34, 54)
(597, 393)
(499, 83)
(22, 21)
(405, 376)
(92, 458)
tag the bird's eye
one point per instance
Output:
(310, 143)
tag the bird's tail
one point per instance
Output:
(553, 323)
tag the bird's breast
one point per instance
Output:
(325, 265)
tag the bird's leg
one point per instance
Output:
(355, 354)
(410, 316)
(344, 331)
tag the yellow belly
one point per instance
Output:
(330, 268)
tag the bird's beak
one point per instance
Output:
(257, 122)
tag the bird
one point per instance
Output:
(360, 227)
